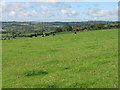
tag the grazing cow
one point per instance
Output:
(40, 34)
(30, 36)
(75, 32)
(8, 38)
(43, 35)
(35, 35)
(47, 34)
(13, 36)
(3, 38)
(53, 34)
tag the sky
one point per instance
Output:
(64, 11)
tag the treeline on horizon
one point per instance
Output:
(17, 28)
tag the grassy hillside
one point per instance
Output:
(85, 60)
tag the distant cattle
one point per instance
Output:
(3, 39)
(43, 35)
(75, 32)
(35, 35)
(30, 35)
(47, 34)
(13, 36)
(8, 38)
(53, 34)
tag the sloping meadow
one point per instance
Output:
(66, 60)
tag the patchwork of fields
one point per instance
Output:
(67, 60)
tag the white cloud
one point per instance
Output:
(16, 8)
(1, 10)
(12, 13)
(101, 13)
(63, 0)
(52, 2)
(29, 13)
(46, 11)
(74, 12)
(55, 3)
(13, 9)
(8, 7)
(65, 6)
(46, 0)
(48, 14)
(44, 8)
(3, 3)
(65, 12)
(98, 13)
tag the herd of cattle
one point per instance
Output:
(31, 35)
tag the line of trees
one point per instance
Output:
(97, 26)
(64, 28)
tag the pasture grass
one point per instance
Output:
(67, 60)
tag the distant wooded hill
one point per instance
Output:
(46, 25)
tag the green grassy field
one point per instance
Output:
(85, 60)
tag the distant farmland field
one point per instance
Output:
(66, 60)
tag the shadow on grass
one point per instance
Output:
(35, 72)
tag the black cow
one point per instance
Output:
(8, 38)
(47, 34)
(53, 34)
(13, 36)
(43, 35)
(75, 32)
(4, 39)
(35, 35)
(30, 36)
